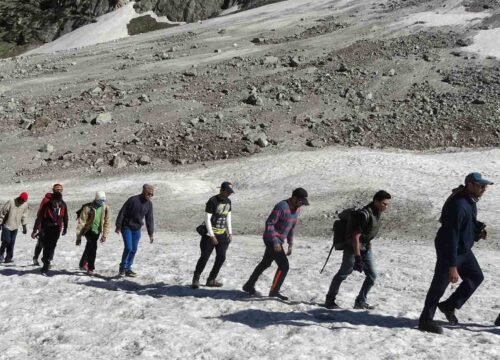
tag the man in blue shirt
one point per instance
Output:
(129, 222)
(454, 240)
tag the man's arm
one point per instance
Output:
(107, 223)
(65, 219)
(150, 222)
(210, 230)
(229, 226)
(121, 216)
(5, 210)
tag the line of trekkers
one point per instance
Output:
(356, 229)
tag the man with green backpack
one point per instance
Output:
(354, 232)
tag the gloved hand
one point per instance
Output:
(25, 230)
(359, 265)
(78, 241)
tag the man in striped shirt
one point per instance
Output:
(279, 226)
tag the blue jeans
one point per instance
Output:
(131, 242)
(346, 269)
(8, 242)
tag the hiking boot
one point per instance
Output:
(497, 321)
(250, 289)
(130, 273)
(214, 283)
(449, 313)
(359, 304)
(196, 282)
(90, 272)
(35, 262)
(430, 326)
(9, 261)
(331, 304)
(278, 295)
(85, 266)
(121, 271)
(44, 272)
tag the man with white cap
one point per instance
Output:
(12, 215)
(94, 220)
(455, 259)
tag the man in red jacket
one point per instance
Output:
(51, 220)
(56, 188)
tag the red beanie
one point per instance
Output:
(24, 196)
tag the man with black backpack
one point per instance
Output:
(361, 228)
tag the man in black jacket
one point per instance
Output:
(129, 222)
(362, 227)
(454, 240)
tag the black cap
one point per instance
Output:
(301, 194)
(227, 186)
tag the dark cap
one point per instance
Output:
(301, 194)
(476, 177)
(227, 186)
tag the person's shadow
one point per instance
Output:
(161, 289)
(260, 319)
(36, 270)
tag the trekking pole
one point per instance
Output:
(328, 258)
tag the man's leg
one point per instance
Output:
(206, 248)
(439, 283)
(38, 250)
(84, 259)
(49, 244)
(266, 261)
(91, 250)
(371, 275)
(283, 266)
(5, 243)
(10, 246)
(345, 270)
(472, 276)
(136, 236)
(127, 247)
(220, 250)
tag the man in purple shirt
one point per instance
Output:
(279, 226)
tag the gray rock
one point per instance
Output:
(259, 40)
(253, 99)
(317, 143)
(271, 60)
(144, 98)
(190, 73)
(144, 160)
(262, 141)
(47, 148)
(101, 119)
(295, 98)
(295, 61)
(224, 135)
(118, 162)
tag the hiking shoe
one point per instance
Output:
(35, 262)
(278, 295)
(85, 266)
(44, 272)
(130, 273)
(497, 321)
(430, 326)
(121, 271)
(331, 304)
(358, 304)
(8, 261)
(449, 313)
(214, 283)
(249, 289)
(196, 282)
(90, 272)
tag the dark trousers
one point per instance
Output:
(49, 239)
(269, 256)
(346, 269)
(207, 247)
(90, 251)
(8, 242)
(38, 249)
(471, 275)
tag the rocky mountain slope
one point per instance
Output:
(28, 23)
(200, 92)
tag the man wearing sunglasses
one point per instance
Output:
(130, 221)
(455, 259)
